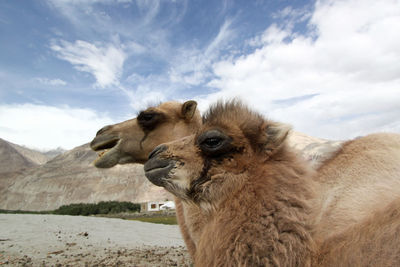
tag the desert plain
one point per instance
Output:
(61, 240)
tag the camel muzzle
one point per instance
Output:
(101, 142)
(157, 170)
(108, 148)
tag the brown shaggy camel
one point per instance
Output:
(259, 200)
(373, 157)
(131, 141)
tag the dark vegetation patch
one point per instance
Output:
(85, 209)
(104, 207)
(109, 209)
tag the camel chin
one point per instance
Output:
(109, 153)
(107, 158)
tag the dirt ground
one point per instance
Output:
(55, 240)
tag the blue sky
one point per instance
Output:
(69, 67)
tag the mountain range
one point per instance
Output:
(33, 180)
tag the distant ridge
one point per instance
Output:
(14, 161)
(15, 158)
(54, 152)
(71, 178)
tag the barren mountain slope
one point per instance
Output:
(72, 178)
(14, 161)
(15, 158)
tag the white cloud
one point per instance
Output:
(186, 67)
(146, 94)
(89, 16)
(47, 127)
(104, 62)
(348, 62)
(52, 82)
(146, 42)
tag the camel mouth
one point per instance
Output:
(157, 170)
(98, 145)
(108, 152)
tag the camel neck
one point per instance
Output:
(272, 209)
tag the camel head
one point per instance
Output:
(132, 140)
(204, 166)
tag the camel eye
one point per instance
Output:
(146, 117)
(148, 121)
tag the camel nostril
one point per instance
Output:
(157, 150)
(102, 130)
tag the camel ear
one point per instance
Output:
(276, 134)
(188, 109)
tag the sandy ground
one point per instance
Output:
(56, 240)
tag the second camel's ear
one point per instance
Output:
(276, 134)
(188, 109)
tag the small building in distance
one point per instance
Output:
(157, 206)
(168, 205)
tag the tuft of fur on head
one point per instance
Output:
(231, 110)
(264, 135)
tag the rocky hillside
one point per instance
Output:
(72, 178)
(54, 152)
(15, 158)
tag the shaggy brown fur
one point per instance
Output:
(253, 192)
(257, 199)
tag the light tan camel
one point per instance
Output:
(375, 157)
(131, 141)
(259, 200)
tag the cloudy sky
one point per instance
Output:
(69, 67)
